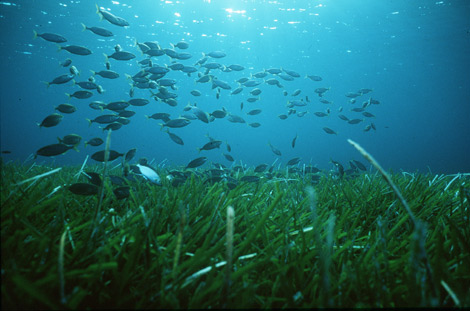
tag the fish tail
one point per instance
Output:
(89, 122)
(35, 34)
(86, 144)
(98, 11)
(46, 83)
(93, 72)
(161, 126)
(59, 48)
(107, 58)
(70, 96)
(84, 27)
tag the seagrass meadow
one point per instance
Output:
(291, 241)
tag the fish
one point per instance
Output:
(274, 71)
(329, 131)
(98, 31)
(176, 123)
(250, 178)
(149, 174)
(229, 149)
(66, 62)
(320, 114)
(113, 19)
(88, 85)
(251, 83)
(236, 67)
(76, 49)
(196, 162)
(219, 114)
(70, 140)
(211, 145)
(291, 73)
(296, 92)
(80, 94)
(83, 189)
(175, 138)
(112, 126)
(126, 113)
(293, 141)
(94, 142)
(94, 178)
(160, 116)
(353, 95)
(51, 37)
(99, 155)
(343, 117)
(274, 149)
(61, 79)
(235, 119)
(120, 55)
(228, 157)
(293, 161)
(180, 45)
(66, 108)
(201, 115)
(285, 77)
(260, 168)
(53, 150)
(254, 124)
(368, 114)
(196, 93)
(139, 102)
(104, 119)
(122, 192)
(130, 154)
(314, 78)
(255, 92)
(117, 106)
(355, 121)
(361, 166)
(215, 54)
(51, 120)
(321, 90)
(254, 112)
(108, 74)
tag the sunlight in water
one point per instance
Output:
(232, 11)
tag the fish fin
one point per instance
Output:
(93, 72)
(89, 122)
(70, 96)
(35, 34)
(46, 83)
(59, 48)
(107, 58)
(84, 27)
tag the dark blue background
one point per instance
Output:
(415, 55)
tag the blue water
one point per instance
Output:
(415, 55)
